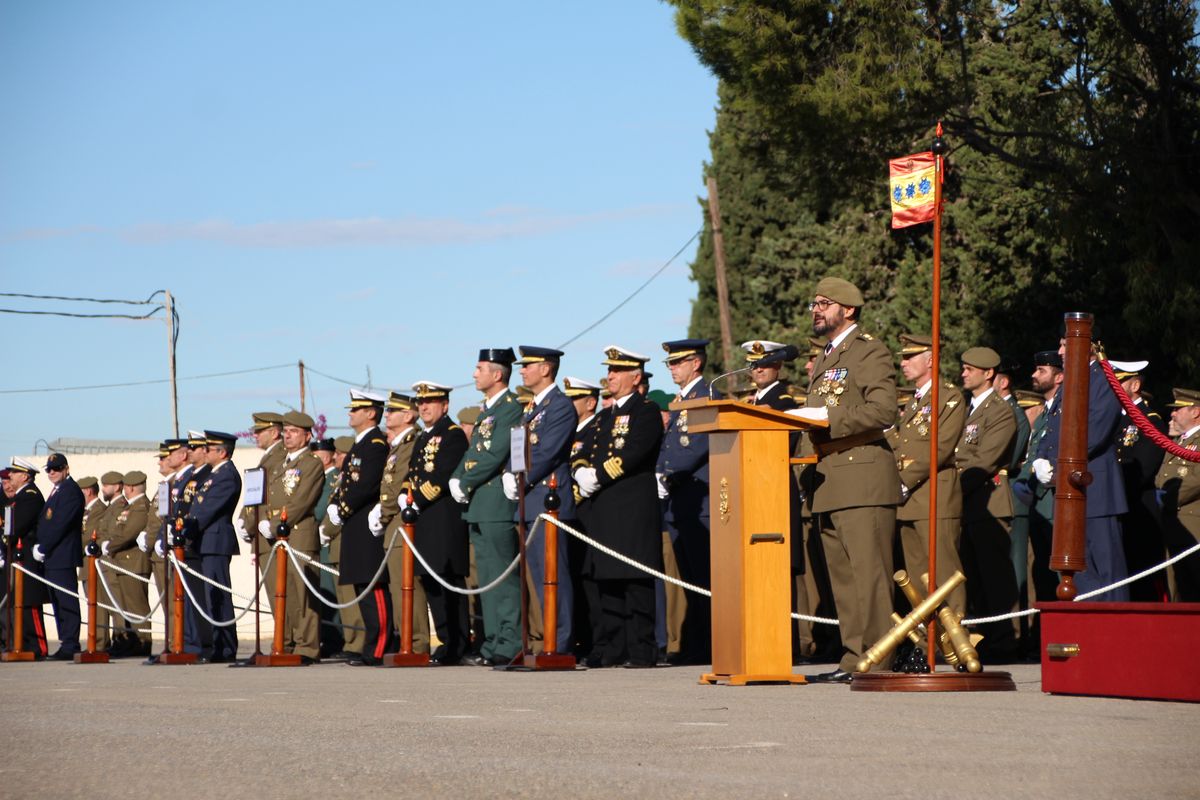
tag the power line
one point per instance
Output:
(82, 316)
(636, 291)
(145, 302)
(145, 383)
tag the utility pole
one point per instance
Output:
(301, 386)
(171, 359)
(714, 212)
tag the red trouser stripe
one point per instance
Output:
(39, 629)
(381, 616)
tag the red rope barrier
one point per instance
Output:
(1144, 425)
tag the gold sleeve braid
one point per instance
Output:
(614, 467)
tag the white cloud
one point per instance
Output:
(501, 223)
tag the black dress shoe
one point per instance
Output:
(837, 676)
(308, 661)
(637, 665)
(475, 660)
(62, 655)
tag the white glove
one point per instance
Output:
(142, 544)
(456, 491)
(325, 540)
(332, 514)
(160, 549)
(404, 501)
(904, 491)
(663, 494)
(375, 519)
(819, 414)
(264, 527)
(38, 555)
(589, 484)
(239, 525)
(3, 563)
(104, 547)
(376, 530)
(510, 486)
(1044, 471)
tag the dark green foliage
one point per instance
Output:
(1073, 182)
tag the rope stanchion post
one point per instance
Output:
(278, 657)
(176, 655)
(1071, 473)
(550, 658)
(406, 657)
(90, 656)
(15, 653)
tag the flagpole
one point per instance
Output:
(938, 148)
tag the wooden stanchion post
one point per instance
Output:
(550, 658)
(279, 657)
(176, 654)
(406, 657)
(90, 656)
(18, 600)
(1071, 476)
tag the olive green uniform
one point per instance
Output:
(353, 629)
(295, 488)
(856, 486)
(910, 441)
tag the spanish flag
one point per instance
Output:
(912, 189)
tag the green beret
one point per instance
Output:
(660, 399)
(134, 478)
(840, 291)
(298, 419)
(112, 477)
(343, 443)
(981, 358)
(88, 483)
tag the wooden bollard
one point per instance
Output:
(550, 658)
(406, 657)
(176, 655)
(18, 599)
(1071, 476)
(90, 656)
(279, 657)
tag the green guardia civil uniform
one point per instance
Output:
(857, 487)
(295, 488)
(489, 515)
(910, 441)
(395, 472)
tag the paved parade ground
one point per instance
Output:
(125, 730)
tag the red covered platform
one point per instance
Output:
(1139, 650)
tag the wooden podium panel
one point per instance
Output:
(750, 531)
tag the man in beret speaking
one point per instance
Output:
(853, 389)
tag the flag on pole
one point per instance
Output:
(912, 189)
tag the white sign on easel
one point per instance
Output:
(253, 486)
(516, 457)
(164, 499)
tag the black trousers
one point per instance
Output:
(376, 608)
(449, 610)
(627, 621)
(66, 608)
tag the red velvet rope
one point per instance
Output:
(1144, 425)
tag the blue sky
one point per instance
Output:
(377, 186)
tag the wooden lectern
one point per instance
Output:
(749, 469)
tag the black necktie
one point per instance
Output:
(829, 348)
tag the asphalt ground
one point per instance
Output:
(328, 730)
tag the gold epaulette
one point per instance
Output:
(430, 491)
(614, 467)
(866, 337)
(378, 440)
(454, 427)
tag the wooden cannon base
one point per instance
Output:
(933, 682)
